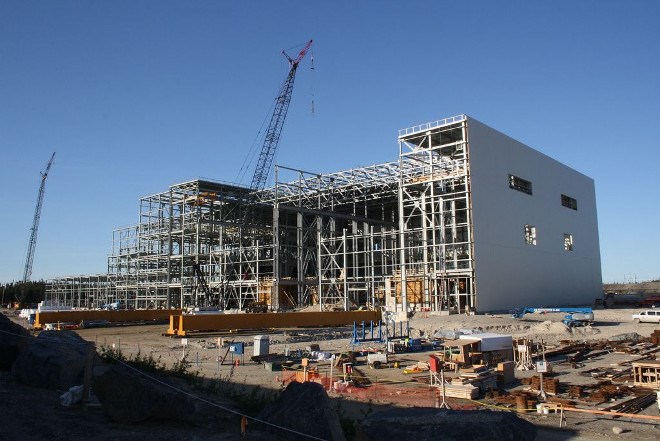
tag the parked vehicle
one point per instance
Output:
(574, 316)
(647, 316)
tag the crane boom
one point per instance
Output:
(27, 272)
(272, 138)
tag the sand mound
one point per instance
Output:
(549, 327)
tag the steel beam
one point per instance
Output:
(138, 315)
(182, 325)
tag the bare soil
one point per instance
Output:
(36, 414)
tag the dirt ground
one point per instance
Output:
(204, 353)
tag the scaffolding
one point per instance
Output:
(435, 222)
(395, 234)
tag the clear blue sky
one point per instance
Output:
(137, 95)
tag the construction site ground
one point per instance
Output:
(390, 386)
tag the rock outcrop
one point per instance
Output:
(304, 408)
(53, 360)
(13, 338)
(129, 396)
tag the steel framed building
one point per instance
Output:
(467, 217)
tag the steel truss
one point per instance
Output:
(435, 221)
(397, 232)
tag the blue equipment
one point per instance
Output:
(574, 316)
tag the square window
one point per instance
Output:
(568, 242)
(530, 234)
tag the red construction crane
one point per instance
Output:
(272, 138)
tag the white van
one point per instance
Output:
(648, 316)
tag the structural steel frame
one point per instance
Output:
(397, 233)
(435, 215)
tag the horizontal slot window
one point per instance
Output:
(520, 184)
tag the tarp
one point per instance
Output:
(487, 342)
(460, 342)
(494, 342)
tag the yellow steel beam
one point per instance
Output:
(136, 315)
(183, 324)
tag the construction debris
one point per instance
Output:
(647, 374)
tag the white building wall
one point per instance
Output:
(510, 273)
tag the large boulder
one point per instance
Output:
(130, 396)
(447, 425)
(13, 338)
(53, 360)
(303, 408)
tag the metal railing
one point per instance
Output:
(431, 125)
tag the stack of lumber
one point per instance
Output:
(605, 392)
(535, 382)
(575, 391)
(550, 385)
(461, 391)
(479, 376)
(522, 400)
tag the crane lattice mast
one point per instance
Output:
(27, 272)
(272, 138)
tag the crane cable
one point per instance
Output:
(252, 152)
(311, 68)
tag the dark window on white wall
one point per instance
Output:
(530, 234)
(520, 184)
(568, 202)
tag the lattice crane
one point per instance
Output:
(272, 138)
(27, 272)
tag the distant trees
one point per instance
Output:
(25, 293)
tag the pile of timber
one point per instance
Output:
(471, 381)
(609, 373)
(605, 392)
(467, 391)
(550, 385)
(481, 376)
(575, 391)
(635, 404)
(523, 401)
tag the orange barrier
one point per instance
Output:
(617, 414)
(133, 315)
(183, 324)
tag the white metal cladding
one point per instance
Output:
(509, 272)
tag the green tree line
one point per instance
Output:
(25, 293)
